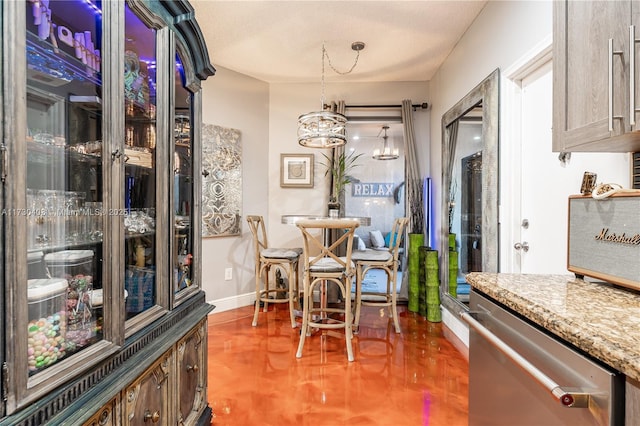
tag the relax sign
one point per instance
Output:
(362, 189)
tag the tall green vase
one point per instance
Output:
(453, 273)
(422, 283)
(432, 286)
(415, 242)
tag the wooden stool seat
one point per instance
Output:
(386, 261)
(284, 259)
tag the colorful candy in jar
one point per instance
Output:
(81, 328)
(47, 326)
(46, 343)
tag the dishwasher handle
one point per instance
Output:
(566, 397)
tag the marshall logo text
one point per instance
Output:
(604, 235)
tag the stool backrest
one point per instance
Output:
(256, 224)
(397, 232)
(312, 241)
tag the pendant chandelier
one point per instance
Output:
(387, 152)
(324, 128)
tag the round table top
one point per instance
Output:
(291, 219)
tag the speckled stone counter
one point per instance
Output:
(602, 320)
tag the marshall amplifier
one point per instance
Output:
(604, 238)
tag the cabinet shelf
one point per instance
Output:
(69, 246)
(51, 66)
(71, 153)
(130, 236)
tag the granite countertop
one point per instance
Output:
(600, 319)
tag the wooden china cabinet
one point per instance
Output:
(103, 316)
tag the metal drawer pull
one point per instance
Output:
(193, 368)
(153, 417)
(611, 54)
(567, 397)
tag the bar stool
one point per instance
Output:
(323, 268)
(386, 261)
(286, 259)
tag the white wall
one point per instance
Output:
(267, 119)
(234, 100)
(502, 33)
(266, 116)
(288, 101)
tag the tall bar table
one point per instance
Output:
(291, 219)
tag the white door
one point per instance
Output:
(547, 182)
(540, 207)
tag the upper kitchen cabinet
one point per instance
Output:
(595, 75)
(99, 171)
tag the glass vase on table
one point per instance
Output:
(333, 207)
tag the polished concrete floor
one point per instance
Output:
(414, 378)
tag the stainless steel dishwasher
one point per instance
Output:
(520, 375)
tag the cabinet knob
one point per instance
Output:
(153, 417)
(193, 368)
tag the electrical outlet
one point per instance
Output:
(228, 274)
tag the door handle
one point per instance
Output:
(569, 398)
(524, 246)
(632, 75)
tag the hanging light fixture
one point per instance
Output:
(388, 152)
(324, 128)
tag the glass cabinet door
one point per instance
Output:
(63, 180)
(140, 165)
(183, 187)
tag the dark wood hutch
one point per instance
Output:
(103, 315)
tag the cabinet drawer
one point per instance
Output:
(109, 415)
(192, 374)
(147, 399)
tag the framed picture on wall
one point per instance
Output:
(296, 170)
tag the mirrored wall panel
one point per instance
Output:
(469, 203)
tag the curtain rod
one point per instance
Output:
(423, 105)
(373, 118)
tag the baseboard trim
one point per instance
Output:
(457, 332)
(233, 302)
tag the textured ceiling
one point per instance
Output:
(281, 41)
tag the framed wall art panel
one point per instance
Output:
(296, 170)
(222, 186)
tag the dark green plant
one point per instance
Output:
(339, 168)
